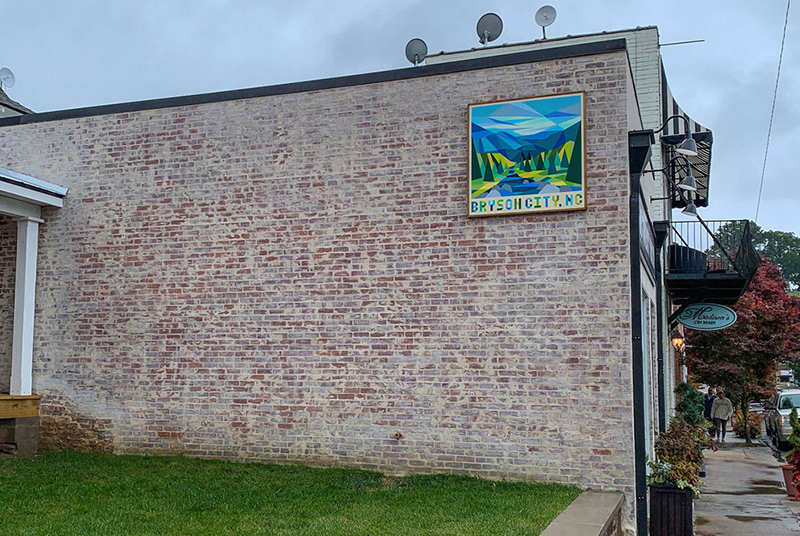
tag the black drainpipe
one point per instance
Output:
(639, 147)
(660, 319)
(640, 456)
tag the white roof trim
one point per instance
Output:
(19, 209)
(29, 196)
(32, 182)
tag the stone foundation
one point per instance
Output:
(62, 427)
(19, 436)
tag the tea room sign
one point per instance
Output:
(707, 317)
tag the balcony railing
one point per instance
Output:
(721, 247)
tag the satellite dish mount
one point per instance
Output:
(545, 16)
(490, 26)
(416, 51)
(7, 78)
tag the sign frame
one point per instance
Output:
(541, 183)
(707, 317)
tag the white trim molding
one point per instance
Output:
(22, 198)
(24, 306)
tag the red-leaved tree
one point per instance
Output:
(741, 359)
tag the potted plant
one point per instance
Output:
(675, 478)
(691, 404)
(791, 470)
(691, 409)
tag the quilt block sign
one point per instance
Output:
(527, 156)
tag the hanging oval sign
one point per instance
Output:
(707, 317)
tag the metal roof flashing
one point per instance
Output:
(536, 44)
(53, 194)
(567, 50)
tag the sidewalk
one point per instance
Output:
(743, 494)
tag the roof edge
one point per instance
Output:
(8, 102)
(548, 40)
(407, 73)
(32, 183)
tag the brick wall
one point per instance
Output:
(294, 278)
(8, 246)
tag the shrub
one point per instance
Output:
(691, 406)
(679, 455)
(794, 441)
(794, 437)
(681, 442)
(754, 423)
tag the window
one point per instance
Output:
(789, 401)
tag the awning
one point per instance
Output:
(673, 134)
(701, 165)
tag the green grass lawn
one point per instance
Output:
(82, 493)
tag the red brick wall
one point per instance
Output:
(294, 278)
(8, 247)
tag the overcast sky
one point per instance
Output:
(69, 54)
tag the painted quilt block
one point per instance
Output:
(527, 156)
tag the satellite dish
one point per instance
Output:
(7, 78)
(545, 16)
(490, 26)
(416, 51)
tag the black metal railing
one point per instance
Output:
(747, 259)
(716, 246)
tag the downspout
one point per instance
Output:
(639, 448)
(660, 319)
(639, 144)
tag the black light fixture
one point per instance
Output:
(688, 147)
(688, 183)
(690, 209)
(685, 188)
(678, 342)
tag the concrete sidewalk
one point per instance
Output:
(743, 494)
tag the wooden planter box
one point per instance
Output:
(19, 424)
(670, 511)
(16, 407)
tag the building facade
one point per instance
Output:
(290, 274)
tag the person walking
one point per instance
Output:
(710, 397)
(709, 401)
(721, 411)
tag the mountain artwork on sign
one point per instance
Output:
(527, 156)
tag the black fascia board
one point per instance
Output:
(501, 60)
(639, 149)
(20, 109)
(32, 187)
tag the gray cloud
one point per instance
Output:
(84, 53)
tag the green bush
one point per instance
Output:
(794, 437)
(794, 441)
(691, 405)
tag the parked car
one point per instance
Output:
(777, 416)
(757, 407)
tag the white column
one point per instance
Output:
(24, 304)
